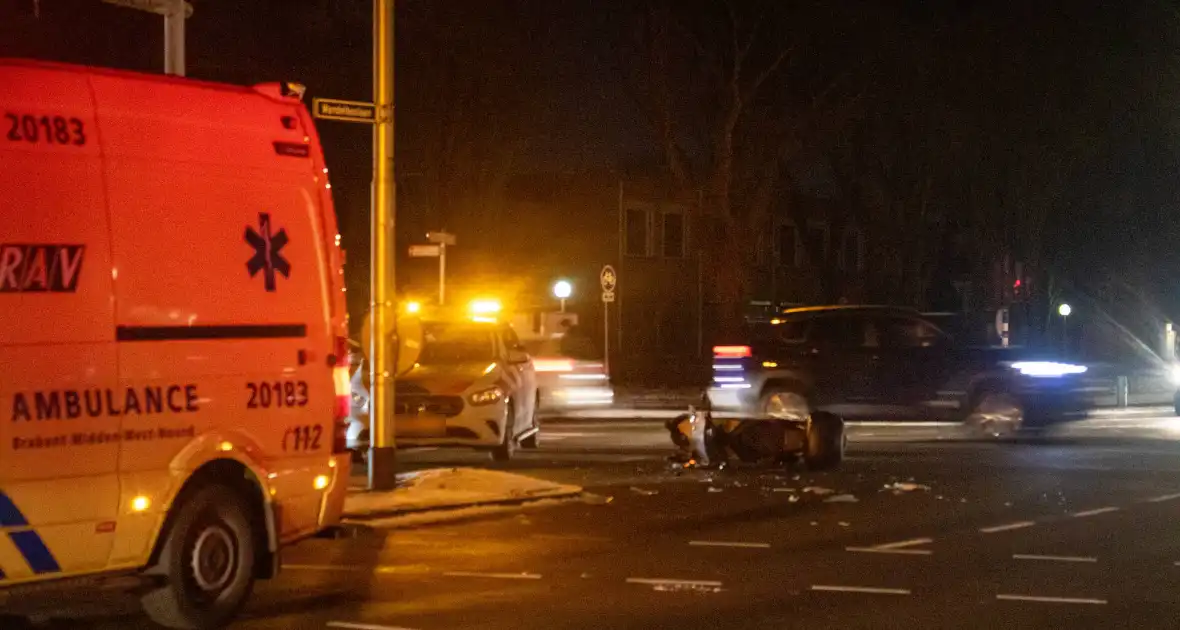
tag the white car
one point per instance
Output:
(473, 385)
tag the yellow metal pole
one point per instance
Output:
(382, 452)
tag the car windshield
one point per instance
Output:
(449, 343)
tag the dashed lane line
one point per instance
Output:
(1162, 498)
(1006, 527)
(899, 552)
(348, 625)
(1095, 511)
(1032, 556)
(871, 590)
(722, 543)
(913, 542)
(1050, 600)
(495, 576)
(673, 582)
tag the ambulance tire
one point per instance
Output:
(507, 447)
(207, 562)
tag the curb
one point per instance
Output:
(359, 519)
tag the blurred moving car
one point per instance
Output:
(473, 385)
(888, 363)
(570, 372)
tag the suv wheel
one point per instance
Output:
(996, 414)
(783, 403)
(507, 447)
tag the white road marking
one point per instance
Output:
(1006, 527)
(860, 589)
(1050, 600)
(1094, 512)
(669, 581)
(1033, 556)
(900, 552)
(345, 625)
(498, 576)
(1161, 499)
(913, 542)
(720, 543)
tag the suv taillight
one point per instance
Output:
(343, 386)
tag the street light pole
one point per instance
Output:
(174, 38)
(382, 451)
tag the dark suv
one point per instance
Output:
(885, 363)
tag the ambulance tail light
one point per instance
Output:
(343, 386)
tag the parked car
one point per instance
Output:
(865, 362)
(473, 385)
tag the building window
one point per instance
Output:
(786, 245)
(852, 250)
(817, 238)
(636, 237)
(673, 235)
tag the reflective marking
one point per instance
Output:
(498, 576)
(1006, 527)
(1166, 497)
(1030, 556)
(661, 581)
(873, 590)
(1050, 600)
(717, 543)
(10, 515)
(900, 552)
(35, 552)
(1101, 510)
(346, 625)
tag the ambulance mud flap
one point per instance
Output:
(528, 434)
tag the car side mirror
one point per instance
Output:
(517, 356)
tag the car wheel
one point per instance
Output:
(507, 447)
(825, 441)
(784, 404)
(207, 562)
(533, 441)
(996, 414)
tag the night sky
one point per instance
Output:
(549, 78)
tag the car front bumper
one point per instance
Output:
(481, 425)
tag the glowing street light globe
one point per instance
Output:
(1064, 310)
(562, 289)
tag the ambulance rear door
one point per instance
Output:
(58, 443)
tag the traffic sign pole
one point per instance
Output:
(609, 281)
(382, 450)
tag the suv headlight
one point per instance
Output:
(486, 396)
(1047, 368)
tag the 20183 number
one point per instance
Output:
(277, 394)
(48, 129)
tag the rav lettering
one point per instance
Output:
(40, 268)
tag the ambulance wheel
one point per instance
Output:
(507, 447)
(825, 441)
(207, 562)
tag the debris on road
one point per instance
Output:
(715, 489)
(646, 493)
(904, 486)
(841, 498)
(845, 524)
(819, 491)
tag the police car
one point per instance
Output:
(173, 330)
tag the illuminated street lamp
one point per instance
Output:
(1064, 310)
(562, 289)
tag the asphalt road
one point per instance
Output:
(921, 527)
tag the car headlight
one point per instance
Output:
(1047, 368)
(486, 396)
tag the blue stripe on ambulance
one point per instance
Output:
(28, 542)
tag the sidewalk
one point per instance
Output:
(437, 494)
